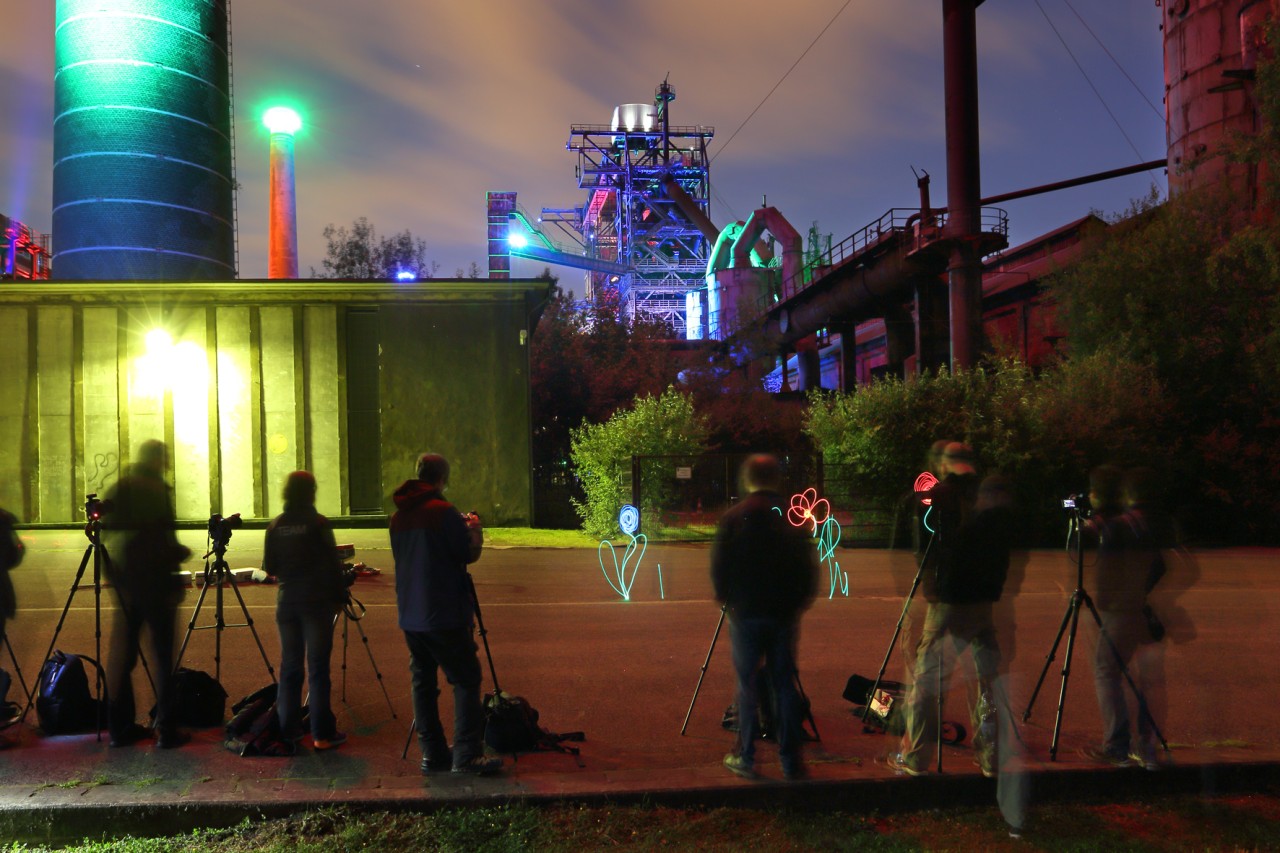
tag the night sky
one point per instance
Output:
(414, 109)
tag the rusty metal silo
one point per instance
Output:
(1210, 56)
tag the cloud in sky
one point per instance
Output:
(415, 109)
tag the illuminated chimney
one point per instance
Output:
(282, 232)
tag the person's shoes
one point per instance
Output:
(479, 765)
(1150, 763)
(436, 764)
(1015, 832)
(1096, 753)
(899, 764)
(333, 741)
(987, 770)
(172, 740)
(130, 736)
(793, 774)
(739, 766)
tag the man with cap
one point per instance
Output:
(962, 588)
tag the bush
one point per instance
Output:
(602, 453)
(1044, 432)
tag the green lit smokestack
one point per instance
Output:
(142, 182)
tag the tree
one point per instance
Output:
(665, 424)
(587, 362)
(361, 254)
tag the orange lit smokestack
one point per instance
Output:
(282, 231)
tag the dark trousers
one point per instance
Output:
(306, 633)
(773, 641)
(452, 651)
(158, 615)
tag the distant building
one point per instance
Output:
(24, 254)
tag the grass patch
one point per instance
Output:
(529, 537)
(1228, 823)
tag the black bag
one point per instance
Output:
(254, 728)
(199, 701)
(511, 725)
(886, 711)
(64, 704)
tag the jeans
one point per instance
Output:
(1128, 634)
(965, 625)
(454, 652)
(306, 632)
(774, 641)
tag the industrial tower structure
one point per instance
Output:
(630, 217)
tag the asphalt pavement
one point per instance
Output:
(624, 671)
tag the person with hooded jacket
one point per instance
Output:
(433, 543)
(300, 552)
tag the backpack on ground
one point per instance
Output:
(887, 711)
(199, 700)
(511, 725)
(254, 728)
(64, 703)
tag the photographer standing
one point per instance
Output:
(765, 573)
(145, 558)
(299, 550)
(969, 566)
(1129, 565)
(433, 543)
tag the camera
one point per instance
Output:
(220, 528)
(95, 508)
(1079, 503)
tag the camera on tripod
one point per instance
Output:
(95, 508)
(1080, 504)
(220, 529)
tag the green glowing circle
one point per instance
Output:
(282, 120)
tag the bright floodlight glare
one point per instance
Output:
(517, 241)
(158, 340)
(406, 275)
(282, 120)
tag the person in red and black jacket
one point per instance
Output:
(433, 543)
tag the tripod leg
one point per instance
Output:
(703, 673)
(1066, 672)
(191, 626)
(808, 709)
(897, 629)
(408, 738)
(248, 620)
(1048, 660)
(377, 673)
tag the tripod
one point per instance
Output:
(97, 552)
(215, 575)
(352, 612)
(803, 697)
(1070, 621)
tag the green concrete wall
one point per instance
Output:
(470, 403)
(252, 387)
